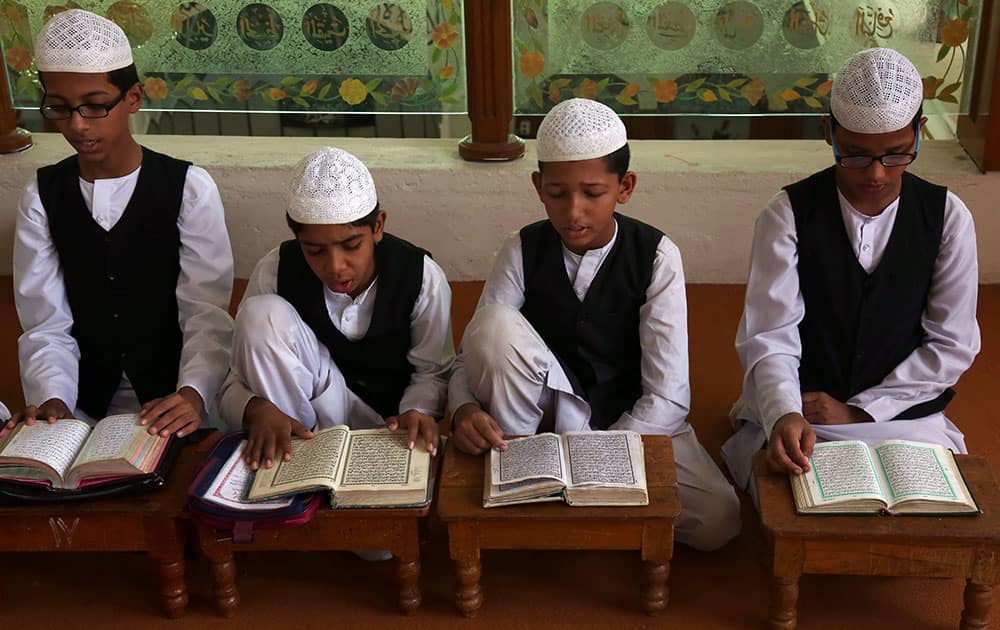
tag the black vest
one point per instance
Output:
(858, 327)
(375, 367)
(597, 340)
(121, 284)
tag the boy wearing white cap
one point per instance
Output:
(122, 263)
(343, 324)
(582, 324)
(861, 300)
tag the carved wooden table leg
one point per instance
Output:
(468, 593)
(655, 592)
(220, 556)
(173, 590)
(784, 599)
(408, 571)
(165, 542)
(978, 600)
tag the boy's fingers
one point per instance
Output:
(795, 452)
(285, 445)
(412, 432)
(808, 443)
(495, 436)
(267, 453)
(430, 433)
(392, 423)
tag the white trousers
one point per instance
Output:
(278, 357)
(518, 380)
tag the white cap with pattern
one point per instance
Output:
(81, 41)
(579, 129)
(331, 186)
(877, 91)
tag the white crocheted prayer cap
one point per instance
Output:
(331, 186)
(81, 41)
(579, 129)
(877, 91)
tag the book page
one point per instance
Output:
(54, 445)
(601, 458)
(842, 470)
(314, 463)
(535, 457)
(378, 459)
(232, 484)
(916, 470)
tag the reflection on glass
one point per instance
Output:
(134, 20)
(738, 25)
(194, 26)
(260, 27)
(806, 24)
(671, 26)
(389, 26)
(325, 27)
(604, 25)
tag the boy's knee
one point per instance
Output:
(263, 314)
(716, 521)
(491, 336)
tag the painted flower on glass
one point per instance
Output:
(955, 32)
(587, 89)
(531, 64)
(18, 58)
(241, 90)
(444, 35)
(353, 91)
(665, 91)
(156, 89)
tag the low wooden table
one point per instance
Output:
(471, 527)
(921, 546)
(150, 522)
(395, 529)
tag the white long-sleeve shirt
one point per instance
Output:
(768, 341)
(666, 393)
(49, 355)
(431, 353)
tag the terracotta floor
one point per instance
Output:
(725, 589)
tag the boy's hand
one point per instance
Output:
(417, 424)
(178, 413)
(51, 410)
(271, 433)
(475, 431)
(822, 408)
(791, 444)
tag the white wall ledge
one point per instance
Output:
(704, 194)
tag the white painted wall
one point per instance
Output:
(704, 194)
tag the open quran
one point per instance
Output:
(69, 454)
(597, 468)
(364, 468)
(891, 477)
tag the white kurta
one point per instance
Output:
(666, 395)
(507, 368)
(278, 357)
(769, 347)
(49, 355)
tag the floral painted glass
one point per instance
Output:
(269, 56)
(729, 57)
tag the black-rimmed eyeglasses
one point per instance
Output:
(864, 161)
(86, 110)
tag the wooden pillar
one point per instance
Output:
(12, 137)
(979, 129)
(489, 77)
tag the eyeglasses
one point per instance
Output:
(86, 110)
(864, 161)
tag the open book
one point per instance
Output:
(69, 454)
(582, 468)
(371, 467)
(892, 477)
